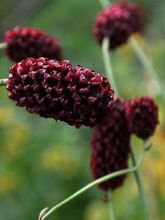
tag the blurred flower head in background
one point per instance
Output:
(117, 22)
(24, 42)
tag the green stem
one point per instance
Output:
(111, 208)
(94, 183)
(143, 58)
(3, 45)
(107, 63)
(150, 71)
(140, 187)
(42, 213)
(3, 82)
(113, 84)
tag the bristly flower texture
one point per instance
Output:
(143, 116)
(117, 23)
(55, 89)
(24, 42)
(111, 146)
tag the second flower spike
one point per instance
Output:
(111, 146)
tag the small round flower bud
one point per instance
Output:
(31, 42)
(143, 116)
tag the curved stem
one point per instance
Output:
(137, 173)
(108, 66)
(42, 213)
(140, 187)
(150, 71)
(111, 208)
(3, 82)
(3, 45)
(113, 84)
(94, 183)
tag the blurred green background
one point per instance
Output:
(43, 161)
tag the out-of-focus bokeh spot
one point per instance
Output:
(8, 183)
(6, 115)
(97, 210)
(60, 161)
(16, 138)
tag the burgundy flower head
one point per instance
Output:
(31, 42)
(117, 23)
(143, 116)
(54, 89)
(110, 146)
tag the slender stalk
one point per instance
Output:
(94, 183)
(3, 82)
(153, 75)
(107, 63)
(111, 208)
(150, 71)
(113, 84)
(3, 45)
(42, 213)
(137, 173)
(140, 187)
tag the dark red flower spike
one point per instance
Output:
(55, 89)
